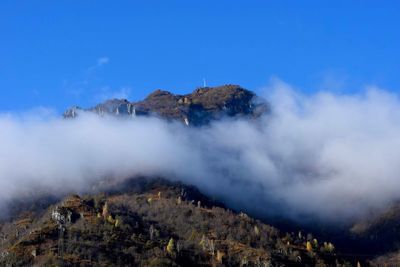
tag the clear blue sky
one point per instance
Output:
(59, 53)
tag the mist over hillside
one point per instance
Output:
(327, 156)
(165, 134)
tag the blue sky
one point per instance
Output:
(59, 53)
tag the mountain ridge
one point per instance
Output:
(198, 108)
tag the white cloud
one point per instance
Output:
(326, 155)
(80, 87)
(102, 61)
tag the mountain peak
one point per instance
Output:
(200, 107)
(158, 93)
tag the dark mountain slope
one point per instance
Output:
(379, 234)
(152, 223)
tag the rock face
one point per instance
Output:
(198, 108)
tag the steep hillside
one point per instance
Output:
(152, 222)
(379, 234)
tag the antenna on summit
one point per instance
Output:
(204, 83)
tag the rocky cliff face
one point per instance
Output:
(198, 108)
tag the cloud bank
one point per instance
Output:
(326, 155)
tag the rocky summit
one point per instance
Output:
(197, 108)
